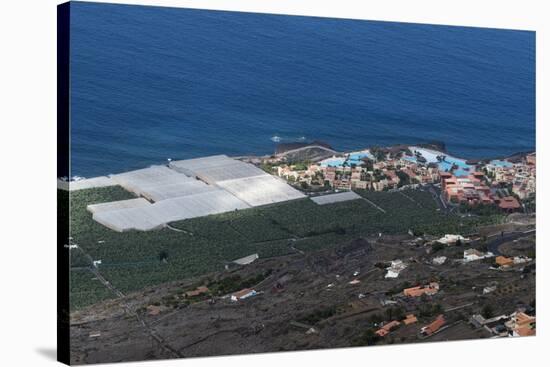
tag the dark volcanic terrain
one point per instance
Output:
(304, 301)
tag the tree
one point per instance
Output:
(369, 337)
(367, 164)
(487, 311)
(378, 153)
(438, 246)
(404, 178)
(395, 313)
(163, 256)
(376, 318)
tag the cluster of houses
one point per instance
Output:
(426, 331)
(520, 175)
(473, 254)
(473, 190)
(504, 262)
(521, 322)
(377, 176)
(501, 262)
(464, 186)
(418, 291)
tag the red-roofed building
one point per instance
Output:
(410, 319)
(434, 326)
(385, 330)
(509, 204)
(243, 294)
(430, 290)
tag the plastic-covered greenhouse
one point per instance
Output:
(188, 189)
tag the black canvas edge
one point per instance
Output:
(63, 171)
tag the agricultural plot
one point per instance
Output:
(244, 226)
(420, 214)
(304, 218)
(86, 289)
(422, 198)
(133, 260)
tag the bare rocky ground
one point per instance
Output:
(301, 291)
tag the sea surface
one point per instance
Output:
(151, 83)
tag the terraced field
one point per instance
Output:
(131, 261)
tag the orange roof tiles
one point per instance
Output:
(523, 319)
(430, 289)
(196, 292)
(242, 293)
(504, 261)
(525, 331)
(434, 326)
(153, 310)
(385, 330)
(509, 203)
(410, 319)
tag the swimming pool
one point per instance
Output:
(332, 162)
(501, 163)
(353, 158)
(463, 169)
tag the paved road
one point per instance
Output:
(436, 193)
(495, 241)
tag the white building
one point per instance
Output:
(451, 239)
(397, 266)
(474, 255)
(243, 294)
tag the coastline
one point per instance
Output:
(437, 148)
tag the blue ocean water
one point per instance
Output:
(151, 83)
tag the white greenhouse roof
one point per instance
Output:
(189, 189)
(335, 198)
(261, 190)
(157, 214)
(247, 259)
(159, 183)
(216, 168)
(116, 205)
(89, 183)
(122, 220)
(163, 192)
